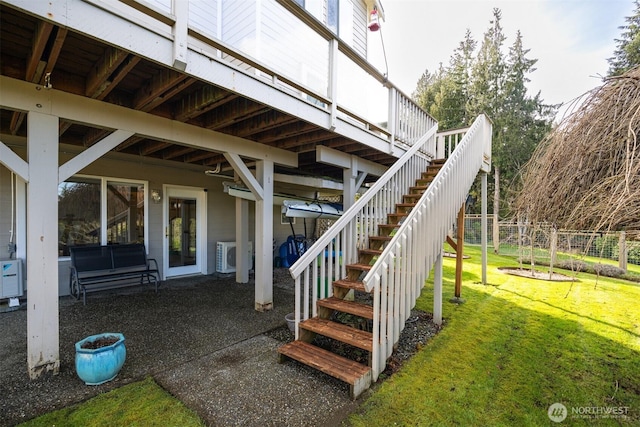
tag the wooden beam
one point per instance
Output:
(39, 44)
(459, 250)
(98, 77)
(154, 89)
(121, 72)
(200, 102)
(54, 53)
(176, 151)
(236, 111)
(174, 90)
(153, 147)
(269, 121)
(452, 243)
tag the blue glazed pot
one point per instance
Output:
(97, 366)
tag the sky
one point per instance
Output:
(571, 39)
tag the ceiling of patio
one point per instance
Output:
(31, 49)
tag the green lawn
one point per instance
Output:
(143, 404)
(514, 348)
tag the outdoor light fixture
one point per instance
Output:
(156, 196)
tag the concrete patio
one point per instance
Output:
(198, 337)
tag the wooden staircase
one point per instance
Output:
(327, 323)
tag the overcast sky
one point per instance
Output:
(571, 39)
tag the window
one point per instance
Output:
(100, 211)
(78, 213)
(125, 212)
(332, 15)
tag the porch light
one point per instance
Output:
(156, 196)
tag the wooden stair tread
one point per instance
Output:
(370, 251)
(349, 371)
(333, 303)
(340, 332)
(350, 284)
(360, 267)
(383, 238)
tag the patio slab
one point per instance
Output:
(199, 337)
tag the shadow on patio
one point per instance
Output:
(199, 337)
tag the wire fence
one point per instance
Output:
(543, 244)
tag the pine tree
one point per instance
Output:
(627, 53)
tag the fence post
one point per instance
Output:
(622, 248)
(553, 249)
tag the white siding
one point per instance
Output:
(163, 5)
(360, 22)
(292, 49)
(239, 26)
(203, 16)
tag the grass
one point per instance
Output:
(514, 348)
(142, 404)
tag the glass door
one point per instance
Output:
(184, 212)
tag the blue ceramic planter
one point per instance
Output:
(97, 366)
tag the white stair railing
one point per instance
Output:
(400, 272)
(325, 261)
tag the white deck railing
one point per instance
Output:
(399, 274)
(325, 261)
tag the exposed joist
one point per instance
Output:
(200, 102)
(98, 78)
(157, 87)
(234, 112)
(198, 156)
(39, 44)
(35, 67)
(308, 138)
(176, 151)
(263, 123)
(129, 142)
(154, 147)
(54, 53)
(296, 129)
(121, 72)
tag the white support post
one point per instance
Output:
(43, 342)
(483, 225)
(242, 240)
(180, 34)
(264, 238)
(437, 289)
(391, 123)
(349, 176)
(333, 83)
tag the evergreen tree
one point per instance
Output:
(627, 53)
(493, 83)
